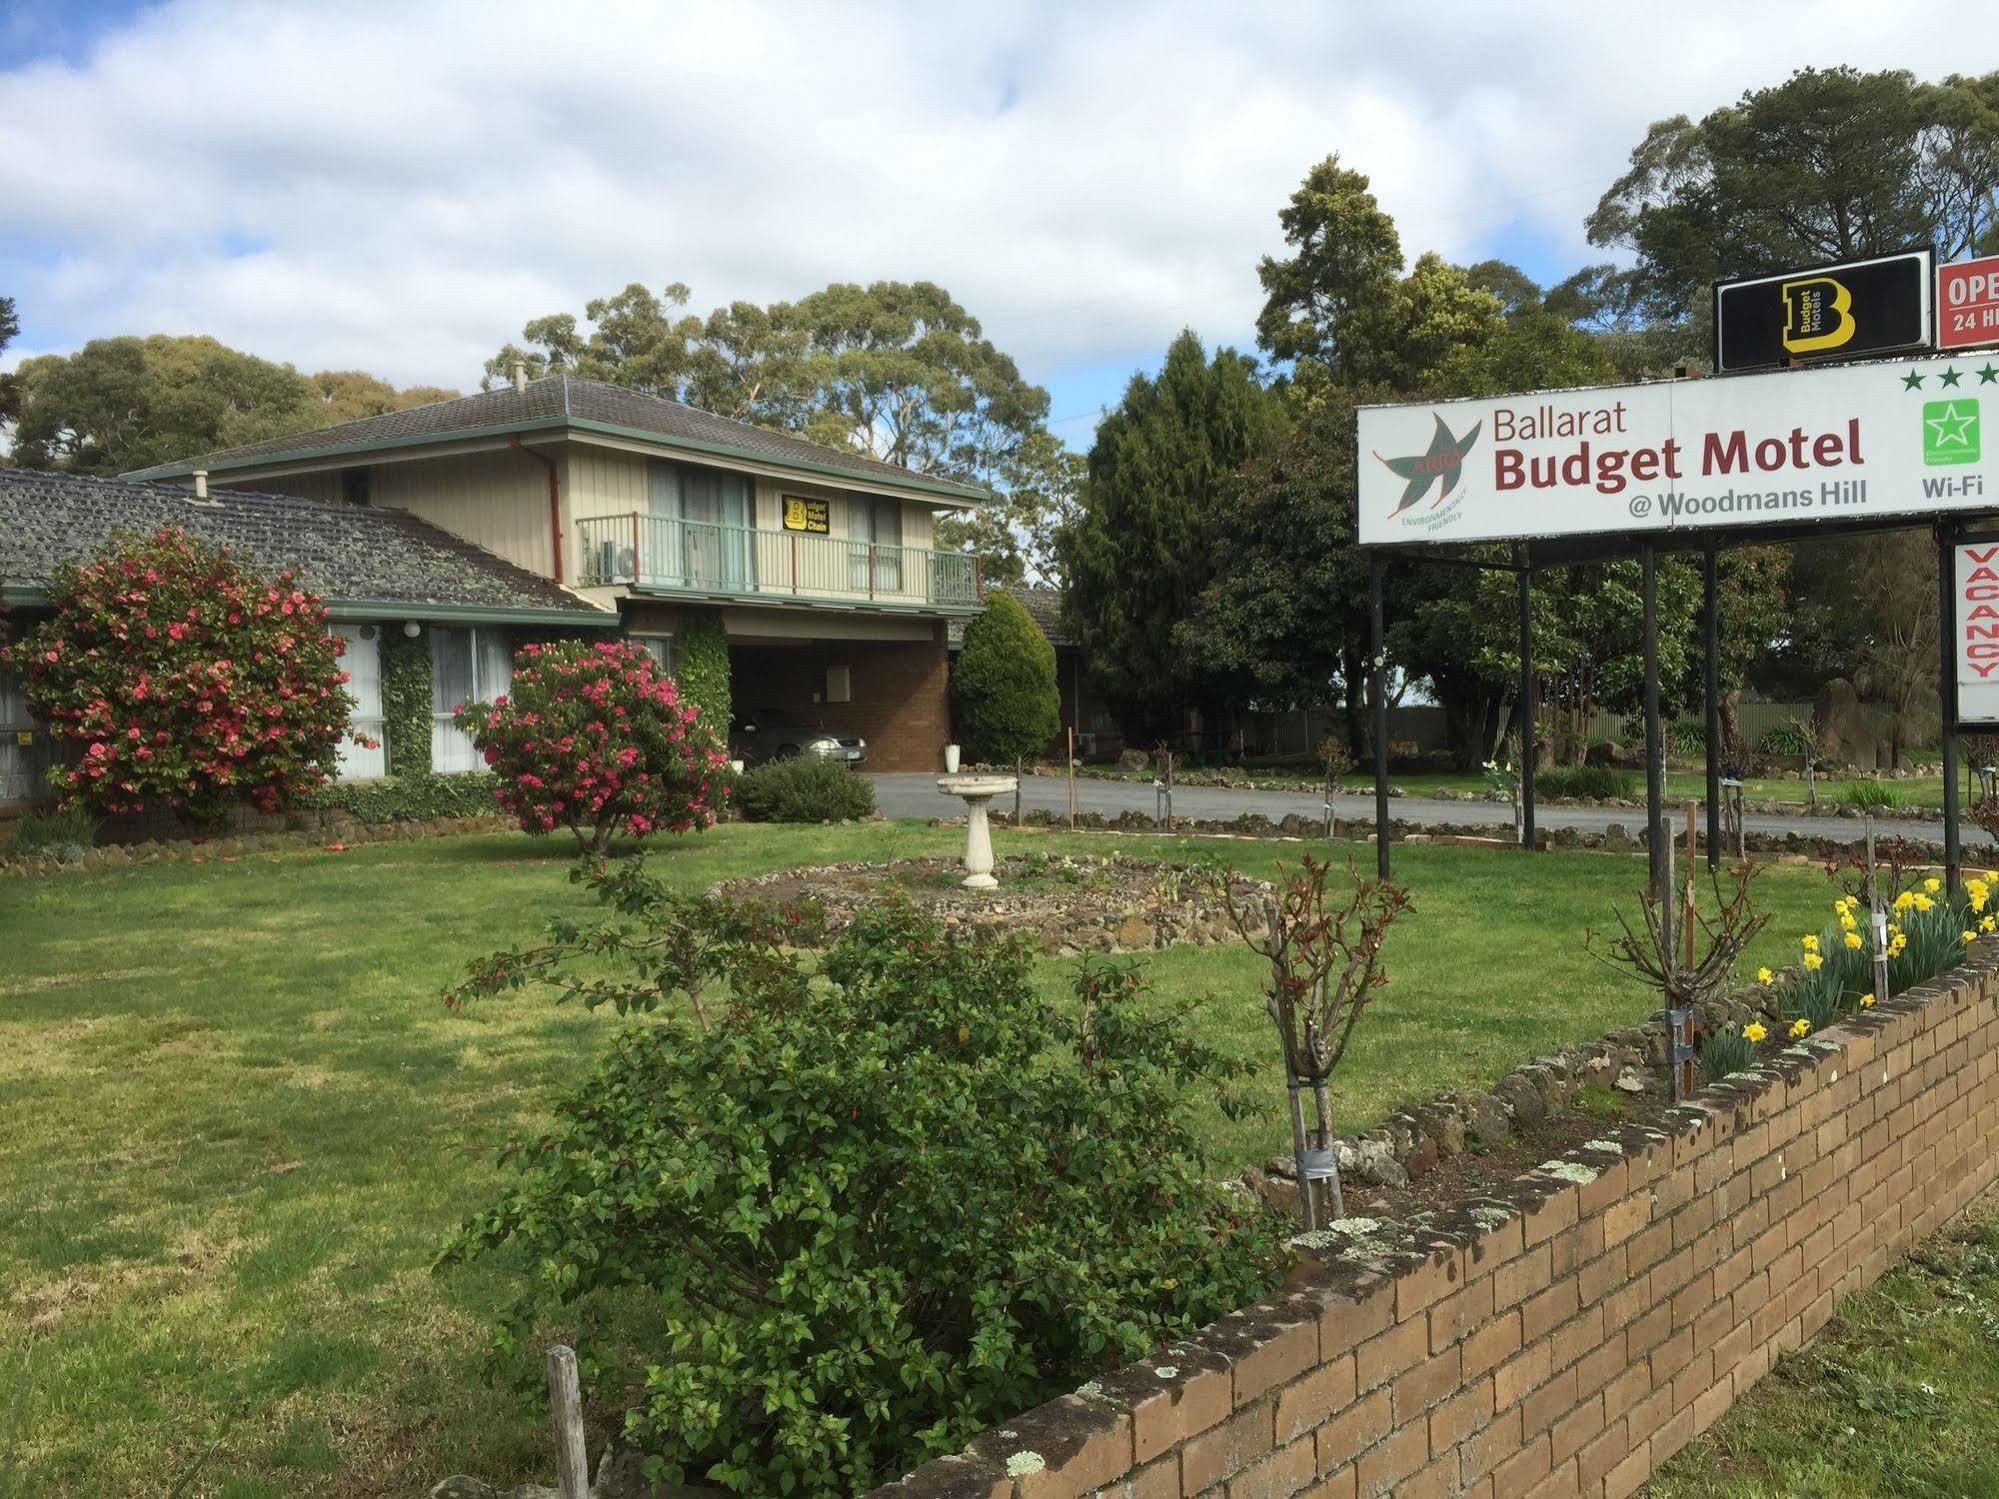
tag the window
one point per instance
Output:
(839, 685)
(24, 748)
(466, 666)
(659, 647)
(697, 534)
(357, 486)
(363, 665)
(877, 567)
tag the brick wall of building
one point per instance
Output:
(901, 693)
(1570, 1346)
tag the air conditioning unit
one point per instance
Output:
(615, 561)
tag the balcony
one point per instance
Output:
(656, 554)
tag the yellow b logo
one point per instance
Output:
(1817, 314)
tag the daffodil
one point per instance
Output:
(1969, 937)
(1992, 876)
(1905, 900)
(1990, 923)
(1933, 884)
(1814, 962)
(1764, 976)
(1801, 1027)
(1846, 920)
(1753, 1032)
(1866, 1001)
(1853, 939)
(1811, 944)
(1924, 903)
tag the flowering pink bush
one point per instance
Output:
(594, 738)
(183, 679)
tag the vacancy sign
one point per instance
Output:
(1968, 304)
(1978, 631)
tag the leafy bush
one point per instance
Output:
(1869, 796)
(1686, 737)
(1004, 682)
(803, 788)
(1730, 1050)
(61, 832)
(593, 738)
(1598, 782)
(184, 680)
(414, 798)
(1784, 739)
(878, 1203)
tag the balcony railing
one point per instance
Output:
(657, 554)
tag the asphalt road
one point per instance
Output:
(913, 794)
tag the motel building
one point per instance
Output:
(658, 518)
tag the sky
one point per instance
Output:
(399, 186)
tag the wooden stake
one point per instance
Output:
(1072, 778)
(565, 1411)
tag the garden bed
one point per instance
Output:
(1067, 904)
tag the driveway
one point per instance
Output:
(914, 794)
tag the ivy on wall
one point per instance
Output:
(406, 699)
(701, 670)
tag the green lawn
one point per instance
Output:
(235, 1122)
(1897, 1396)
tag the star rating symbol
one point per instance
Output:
(1951, 426)
(1949, 377)
(1912, 381)
(1987, 374)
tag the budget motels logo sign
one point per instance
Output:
(1825, 311)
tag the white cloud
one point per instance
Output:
(400, 186)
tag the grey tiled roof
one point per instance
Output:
(349, 553)
(1043, 606)
(556, 401)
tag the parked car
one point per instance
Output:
(770, 734)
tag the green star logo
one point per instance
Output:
(1445, 460)
(1987, 374)
(1949, 378)
(1950, 431)
(1912, 381)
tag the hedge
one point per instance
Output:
(418, 798)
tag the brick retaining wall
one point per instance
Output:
(1577, 1333)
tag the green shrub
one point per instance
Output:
(417, 798)
(879, 1203)
(1686, 737)
(1784, 739)
(55, 832)
(1008, 704)
(1599, 782)
(1869, 796)
(803, 788)
(1726, 1051)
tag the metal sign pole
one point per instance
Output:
(1946, 533)
(1378, 677)
(1655, 749)
(1526, 713)
(1711, 628)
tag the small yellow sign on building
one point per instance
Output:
(806, 515)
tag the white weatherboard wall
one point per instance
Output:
(1858, 442)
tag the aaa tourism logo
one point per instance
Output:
(1443, 464)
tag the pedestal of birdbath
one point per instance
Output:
(976, 791)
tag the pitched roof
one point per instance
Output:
(1043, 606)
(353, 554)
(565, 401)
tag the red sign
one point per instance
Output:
(1968, 304)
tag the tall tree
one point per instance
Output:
(125, 403)
(1829, 165)
(1016, 531)
(1137, 556)
(349, 395)
(10, 384)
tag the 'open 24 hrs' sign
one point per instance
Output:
(1968, 304)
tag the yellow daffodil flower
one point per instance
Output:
(1924, 903)
(1853, 939)
(1866, 1001)
(1801, 1027)
(1992, 876)
(1846, 920)
(1811, 944)
(1969, 937)
(1904, 901)
(1753, 1032)
(1990, 923)
(1814, 962)
(1764, 976)
(1933, 884)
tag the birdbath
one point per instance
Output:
(977, 791)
